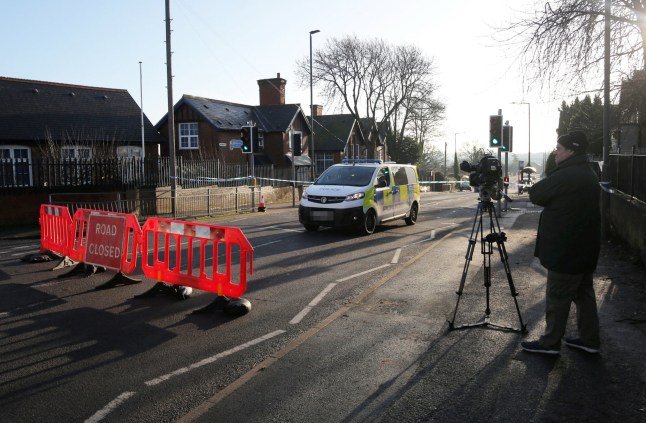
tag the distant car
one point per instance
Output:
(524, 185)
(525, 179)
(464, 185)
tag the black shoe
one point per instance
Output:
(536, 347)
(577, 343)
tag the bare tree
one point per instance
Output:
(472, 152)
(561, 43)
(432, 160)
(374, 80)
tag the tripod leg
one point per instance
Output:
(510, 280)
(477, 224)
(486, 246)
(500, 239)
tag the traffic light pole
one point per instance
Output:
(291, 137)
(253, 169)
(499, 213)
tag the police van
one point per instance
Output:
(361, 194)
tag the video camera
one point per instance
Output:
(487, 175)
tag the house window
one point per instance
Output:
(353, 151)
(76, 152)
(131, 164)
(298, 135)
(323, 161)
(15, 166)
(188, 136)
(125, 151)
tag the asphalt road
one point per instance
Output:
(74, 353)
(342, 328)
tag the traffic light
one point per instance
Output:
(495, 131)
(297, 147)
(258, 140)
(507, 138)
(506, 181)
(245, 137)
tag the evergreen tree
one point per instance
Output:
(584, 115)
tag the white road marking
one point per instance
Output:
(285, 229)
(100, 415)
(396, 256)
(362, 273)
(213, 358)
(312, 304)
(112, 405)
(20, 247)
(267, 243)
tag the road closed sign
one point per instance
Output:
(105, 239)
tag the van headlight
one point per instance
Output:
(304, 196)
(355, 196)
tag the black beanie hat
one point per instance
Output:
(575, 141)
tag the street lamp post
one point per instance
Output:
(312, 109)
(445, 160)
(529, 130)
(455, 148)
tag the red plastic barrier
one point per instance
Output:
(169, 255)
(55, 225)
(129, 243)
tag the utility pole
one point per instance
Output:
(141, 102)
(605, 197)
(171, 114)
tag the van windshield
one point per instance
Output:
(356, 176)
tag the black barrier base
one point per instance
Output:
(41, 257)
(119, 279)
(83, 269)
(162, 288)
(231, 306)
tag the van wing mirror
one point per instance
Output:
(382, 182)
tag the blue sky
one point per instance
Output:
(221, 48)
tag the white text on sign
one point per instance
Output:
(105, 240)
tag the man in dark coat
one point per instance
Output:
(567, 245)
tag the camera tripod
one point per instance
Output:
(486, 206)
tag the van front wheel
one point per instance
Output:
(412, 216)
(369, 223)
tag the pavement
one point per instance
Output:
(388, 355)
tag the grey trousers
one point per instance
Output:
(563, 289)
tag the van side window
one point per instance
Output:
(383, 176)
(412, 176)
(400, 176)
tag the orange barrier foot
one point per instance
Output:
(231, 306)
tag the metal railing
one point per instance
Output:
(196, 203)
(130, 173)
(627, 172)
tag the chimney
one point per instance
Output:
(317, 110)
(272, 91)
